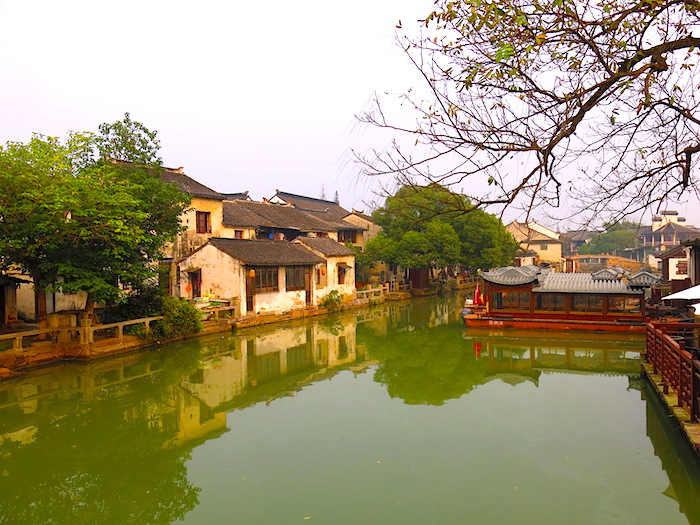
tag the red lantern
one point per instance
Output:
(251, 274)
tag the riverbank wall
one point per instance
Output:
(34, 348)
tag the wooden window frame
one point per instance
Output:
(294, 278)
(203, 222)
(266, 279)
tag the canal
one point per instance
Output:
(392, 415)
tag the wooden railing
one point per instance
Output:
(673, 350)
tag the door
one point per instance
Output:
(196, 283)
(308, 286)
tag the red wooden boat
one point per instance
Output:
(532, 298)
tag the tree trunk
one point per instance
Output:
(89, 305)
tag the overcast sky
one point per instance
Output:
(251, 96)
(245, 96)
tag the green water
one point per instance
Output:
(394, 415)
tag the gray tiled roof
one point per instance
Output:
(643, 278)
(189, 185)
(511, 275)
(266, 253)
(326, 246)
(581, 283)
(330, 208)
(545, 281)
(236, 196)
(266, 215)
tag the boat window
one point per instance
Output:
(550, 302)
(626, 305)
(587, 303)
(511, 301)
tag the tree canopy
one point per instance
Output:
(76, 217)
(613, 242)
(422, 227)
(590, 106)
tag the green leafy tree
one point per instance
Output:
(432, 226)
(533, 102)
(76, 220)
(613, 242)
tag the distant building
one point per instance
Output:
(534, 237)
(667, 231)
(573, 240)
(674, 264)
(592, 263)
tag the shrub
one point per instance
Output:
(332, 300)
(180, 318)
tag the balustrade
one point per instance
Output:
(673, 351)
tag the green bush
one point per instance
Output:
(179, 318)
(146, 301)
(332, 300)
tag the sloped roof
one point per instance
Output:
(309, 204)
(264, 214)
(671, 252)
(673, 227)
(362, 215)
(189, 185)
(523, 232)
(576, 235)
(581, 283)
(546, 281)
(609, 273)
(512, 275)
(326, 246)
(237, 196)
(266, 253)
(643, 279)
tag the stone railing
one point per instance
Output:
(87, 333)
(374, 292)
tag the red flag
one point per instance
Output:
(478, 299)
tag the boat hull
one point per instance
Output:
(555, 324)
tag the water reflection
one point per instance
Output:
(108, 441)
(677, 458)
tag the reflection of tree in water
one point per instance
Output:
(427, 366)
(103, 462)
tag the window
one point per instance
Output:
(203, 222)
(543, 247)
(266, 280)
(294, 278)
(587, 303)
(238, 234)
(346, 236)
(342, 270)
(511, 301)
(626, 305)
(550, 302)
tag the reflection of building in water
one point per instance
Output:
(677, 458)
(282, 360)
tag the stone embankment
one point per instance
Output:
(31, 348)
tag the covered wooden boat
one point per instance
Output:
(533, 298)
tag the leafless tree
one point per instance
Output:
(590, 103)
